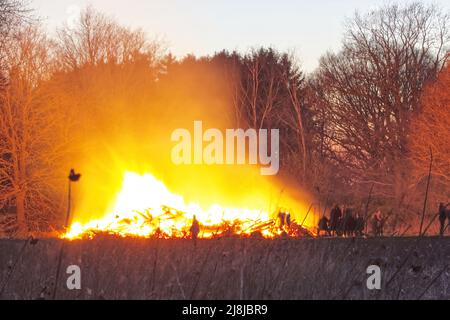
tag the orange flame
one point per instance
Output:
(146, 208)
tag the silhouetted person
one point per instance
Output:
(335, 218)
(323, 226)
(281, 218)
(288, 219)
(378, 223)
(444, 214)
(195, 228)
(349, 222)
(359, 225)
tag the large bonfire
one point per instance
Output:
(145, 207)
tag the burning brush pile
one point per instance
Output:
(146, 208)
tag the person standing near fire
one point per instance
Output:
(288, 219)
(195, 228)
(335, 219)
(323, 225)
(444, 214)
(378, 223)
(281, 218)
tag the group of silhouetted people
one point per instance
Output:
(348, 224)
(345, 222)
(342, 223)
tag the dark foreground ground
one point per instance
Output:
(111, 268)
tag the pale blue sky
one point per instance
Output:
(307, 27)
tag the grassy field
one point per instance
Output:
(228, 268)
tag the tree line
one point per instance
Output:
(363, 125)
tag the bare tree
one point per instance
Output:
(259, 86)
(268, 93)
(430, 129)
(367, 93)
(29, 121)
(295, 88)
(98, 39)
(13, 13)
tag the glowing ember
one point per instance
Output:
(146, 208)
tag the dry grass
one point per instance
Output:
(229, 268)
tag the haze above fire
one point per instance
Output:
(133, 134)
